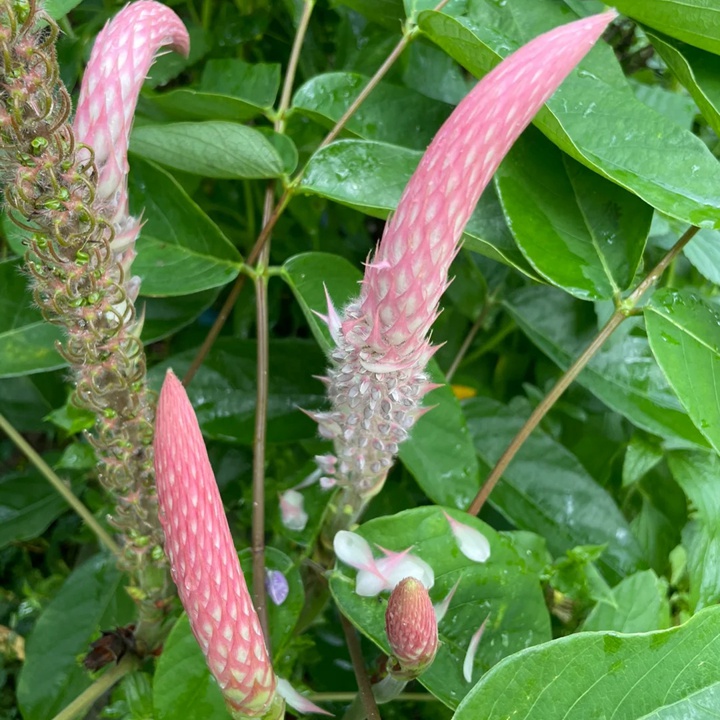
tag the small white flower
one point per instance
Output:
(292, 510)
(472, 543)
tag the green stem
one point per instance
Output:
(83, 702)
(59, 485)
(622, 312)
(369, 706)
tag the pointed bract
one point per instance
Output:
(377, 378)
(205, 564)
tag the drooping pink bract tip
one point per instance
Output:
(204, 562)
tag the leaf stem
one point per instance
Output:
(468, 339)
(620, 314)
(83, 702)
(67, 494)
(363, 681)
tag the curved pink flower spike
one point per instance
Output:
(119, 62)
(205, 564)
(377, 380)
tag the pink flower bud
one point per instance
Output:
(204, 562)
(121, 57)
(411, 629)
(377, 379)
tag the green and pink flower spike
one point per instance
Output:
(377, 377)
(206, 568)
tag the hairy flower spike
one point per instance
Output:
(204, 562)
(411, 628)
(76, 258)
(377, 379)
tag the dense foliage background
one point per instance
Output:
(607, 518)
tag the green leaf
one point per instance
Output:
(180, 249)
(164, 316)
(224, 391)
(27, 342)
(623, 373)
(697, 70)
(603, 675)
(698, 473)
(13, 234)
(694, 21)
(183, 688)
(703, 251)
(684, 334)
(281, 618)
(581, 232)
(393, 114)
(388, 13)
(641, 457)
(28, 504)
(640, 605)
(505, 589)
(438, 453)
(370, 177)
(230, 89)
(92, 599)
(213, 149)
(594, 116)
(57, 9)
(546, 489)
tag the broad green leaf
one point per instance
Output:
(26, 401)
(698, 474)
(623, 373)
(180, 249)
(28, 504)
(438, 453)
(581, 232)
(92, 599)
(639, 604)
(697, 70)
(546, 489)
(684, 334)
(213, 149)
(677, 107)
(164, 316)
(27, 342)
(693, 21)
(281, 618)
(392, 113)
(388, 13)
(230, 89)
(57, 9)
(701, 705)
(224, 391)
(183, 688)
(703, 251)
(641, 457)
(594, 116)
(370, 177)
(604, 675)
(505, 589)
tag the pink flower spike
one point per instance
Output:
(204, 562)
(121, 57)
(377, 376)
(472, 543)
(297, 701)
(292, 510)
(442, 607)
(472, 651)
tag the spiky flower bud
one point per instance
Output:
(78, 270)
(204, 562)
(377, 379)
(411, 627)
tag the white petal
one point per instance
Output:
(353, 550)
(297, 701)
(292, 510)
(396, 570)
(370, 584)
(441, 608)
(472, 650)
(472, 543)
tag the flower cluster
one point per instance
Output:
(79, 248)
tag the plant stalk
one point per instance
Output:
(622, 312)
(370, 709)
(49, 474)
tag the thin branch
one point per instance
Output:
(349, 696)
(363, 681)
(575, 369)
(50, 475)
(258, 487)
(302, 27)
(468, 340)
(83, 702)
